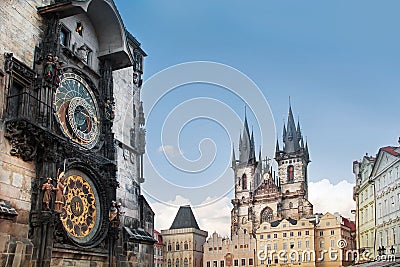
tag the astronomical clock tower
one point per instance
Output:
(72, 137)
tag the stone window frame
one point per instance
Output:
(67, 32)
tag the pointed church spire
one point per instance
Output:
(306, 151)
(284, 131)
(260, 162)
(252, 156)
(233, 157)
(277, 146)
(245, 142)
(291, 138)
(298, 131)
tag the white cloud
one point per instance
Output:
(169, 150)
(328, 197)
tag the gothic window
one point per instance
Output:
(266, 215)
(177, 246)
(290, 174)
(186, 246)
(290, 205)
(177, 263)
(169, 247)
(244, 181)
(186, 263)
(169, 263)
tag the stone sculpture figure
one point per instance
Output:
(48, 68)
(60, 193)
(47, 189)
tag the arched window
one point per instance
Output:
(244, 181)
(186, 263)
(186, 246)
(290, 205)
(266, 215)
(290, 174)
(169, 247)
(169, 263)
(177, 246)
(177, 263)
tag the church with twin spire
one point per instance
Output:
(260, 194)
(271, 211)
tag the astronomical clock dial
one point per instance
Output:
(80, 214)
(77, 111)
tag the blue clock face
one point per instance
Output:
(77, 111)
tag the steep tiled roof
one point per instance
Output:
(184, 219)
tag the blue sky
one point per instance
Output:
(339, 61)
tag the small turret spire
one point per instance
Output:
(277, 146)
(233, 157)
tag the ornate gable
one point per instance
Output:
(386, 157)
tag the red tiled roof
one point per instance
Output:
(390, 150)
(349, 224)
(158, 237)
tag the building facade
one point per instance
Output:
(364, 195)
(240, 250)
(72, 137)
(158, 250)
(183, 241)
(318, 240)
(386, 177)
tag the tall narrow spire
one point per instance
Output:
(298, 131)
(306, 151)
(252, 156)
(277, 146)
(233, 157)
(291, 138)
(245, 144)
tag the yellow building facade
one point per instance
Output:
(365, 202)
(286, 242)
(315, 241)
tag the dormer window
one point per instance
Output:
(79, 28)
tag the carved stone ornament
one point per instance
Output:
(110, 110)
(22, 138)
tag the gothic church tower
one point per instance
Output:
(247, 178)
(292, 161)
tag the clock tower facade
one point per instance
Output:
(74, 137)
